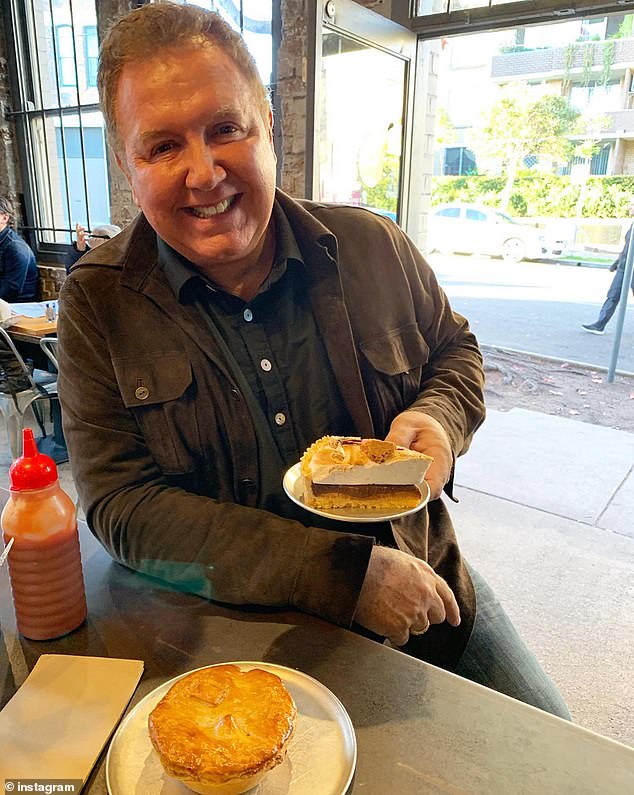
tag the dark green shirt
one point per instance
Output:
(276, 357)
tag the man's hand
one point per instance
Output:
(402, 595)
(81, 237)
(423, 433)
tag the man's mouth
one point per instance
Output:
(212, 209)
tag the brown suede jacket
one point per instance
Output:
(161, 444)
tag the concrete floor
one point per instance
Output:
(546, 515)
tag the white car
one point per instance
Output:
(472, 229)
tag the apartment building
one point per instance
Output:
(581, 60)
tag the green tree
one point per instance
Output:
(589, 126)
(446, 134)
(518, 124)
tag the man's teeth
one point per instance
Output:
(207, 212)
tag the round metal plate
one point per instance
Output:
(321, 759)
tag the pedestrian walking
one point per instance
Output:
(614, 293)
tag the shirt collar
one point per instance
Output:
(180, 272)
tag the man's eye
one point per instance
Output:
(160, 149)
(227, 129)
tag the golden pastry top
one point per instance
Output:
(221, 723)
(342, 452)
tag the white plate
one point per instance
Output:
(322, 753)
(294, 489)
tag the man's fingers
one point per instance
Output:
(399, 638)
(436, 482)
(401, 436)
(436, 612)
(419, 628)
(449, 600)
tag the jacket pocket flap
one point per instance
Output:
(398, 351)
(148, 380)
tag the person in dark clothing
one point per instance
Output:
(18, 271)
(86, 242)
(614, 293)
(18, 282)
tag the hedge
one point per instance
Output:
(542, 194)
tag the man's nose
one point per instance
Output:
(203, 170)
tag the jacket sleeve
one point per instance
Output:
(16, 263)
(452, 383)
(223, 551)
(73, 255)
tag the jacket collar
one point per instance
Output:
(135, 252)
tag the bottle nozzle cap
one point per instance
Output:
(33, 470)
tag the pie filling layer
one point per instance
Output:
(350, 472)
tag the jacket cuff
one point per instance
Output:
(331, 575)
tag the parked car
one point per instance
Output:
(472, 229)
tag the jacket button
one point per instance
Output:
(247, 483)
(142, 393)
(235, 394)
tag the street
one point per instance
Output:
(536, 307)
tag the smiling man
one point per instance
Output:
(229, 327)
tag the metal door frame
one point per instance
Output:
(368, 27)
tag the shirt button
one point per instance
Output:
(247, 315)
(280, 418)
(142, 393)
(266, 365)
(235, 394)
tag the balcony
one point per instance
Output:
(573, 59)
(620, 124)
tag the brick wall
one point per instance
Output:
(51, 280)
(122, 208)
(291, 91)
(628, 157)
(9, 175)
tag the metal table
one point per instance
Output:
(419, 729)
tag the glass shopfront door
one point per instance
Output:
(362, 113)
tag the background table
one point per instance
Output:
(419, 729)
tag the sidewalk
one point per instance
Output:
(546, 514)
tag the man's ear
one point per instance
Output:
(271, 132)
(126, 172)
(271, 123)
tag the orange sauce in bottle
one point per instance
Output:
(44, 560)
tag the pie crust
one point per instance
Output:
(219, 730)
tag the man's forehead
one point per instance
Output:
(177, 58)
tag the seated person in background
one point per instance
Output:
(229, 327)
(18, 270)
(18, 283)
(12, 377)
(86, 242)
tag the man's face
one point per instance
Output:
(198, 154)
(4, 220)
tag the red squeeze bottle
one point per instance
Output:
(44, 561)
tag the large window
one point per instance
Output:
(59, 125)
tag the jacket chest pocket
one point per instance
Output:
(392, 372)
(155, 387)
